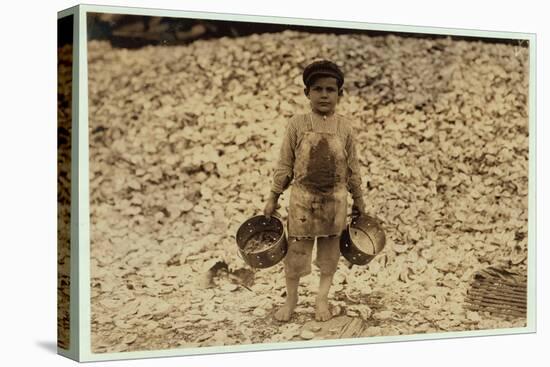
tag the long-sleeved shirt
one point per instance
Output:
(296, 128)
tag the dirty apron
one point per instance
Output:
(318, 198)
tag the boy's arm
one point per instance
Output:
(284, 171)
(355, 181)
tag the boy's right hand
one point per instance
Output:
(271, 205)
(358, 208)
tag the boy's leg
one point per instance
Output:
(297, 264)
(285, 312)
(328, 254)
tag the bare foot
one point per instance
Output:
(284, 313)
(322, 311)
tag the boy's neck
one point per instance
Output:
(323, 115)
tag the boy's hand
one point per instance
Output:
(358, 208)
(271, 205)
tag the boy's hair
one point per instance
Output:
(322, 68)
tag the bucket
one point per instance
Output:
(261, 241)
(362, 240)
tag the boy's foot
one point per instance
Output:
(284, 313)
(322, 311)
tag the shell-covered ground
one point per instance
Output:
(183, 142)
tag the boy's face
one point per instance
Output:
(323, 94)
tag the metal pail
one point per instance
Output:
(362, 240)
(261, 241)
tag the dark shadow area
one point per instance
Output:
(65, 31)
(48, 345)
(134, 31)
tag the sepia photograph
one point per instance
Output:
(259, 183)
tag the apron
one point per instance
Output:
(318, 198)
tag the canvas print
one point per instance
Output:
(264, 183)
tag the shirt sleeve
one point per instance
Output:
(284, 171)
(354, 181)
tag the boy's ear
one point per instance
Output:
(340, 92)
(306, 91)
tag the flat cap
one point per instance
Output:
(322, 67)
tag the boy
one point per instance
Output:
(318, 155)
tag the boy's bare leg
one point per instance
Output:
(285, 312)
(322, 311)
(328, 253)
(297, 264)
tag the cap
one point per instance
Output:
(322, 67)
